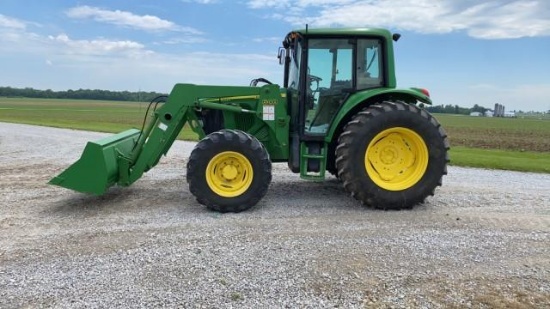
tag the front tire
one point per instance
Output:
(392, 155)
(229, 171)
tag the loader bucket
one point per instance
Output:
(98, 167)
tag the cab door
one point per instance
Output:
(328, 81)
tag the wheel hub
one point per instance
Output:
(396, 159)
(229, 174)
(388, 155)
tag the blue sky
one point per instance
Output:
(465, 52)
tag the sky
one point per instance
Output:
(464, 52)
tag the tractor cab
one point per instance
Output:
(323, 68)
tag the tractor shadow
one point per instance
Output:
(122, 200)
(302, 193)
(176, 200)
(81, 203)
(326, 194)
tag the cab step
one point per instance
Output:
(313, 160)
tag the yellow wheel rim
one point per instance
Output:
(396, 159)
(229, 174)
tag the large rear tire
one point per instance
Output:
(392, 155)
(229, 171)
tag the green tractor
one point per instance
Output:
(338, 111)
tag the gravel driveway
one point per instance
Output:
(482, 241)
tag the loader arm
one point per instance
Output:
(123, 158)
(169, 120)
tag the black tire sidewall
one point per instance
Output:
(436, 161)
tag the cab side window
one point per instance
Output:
(369, 64)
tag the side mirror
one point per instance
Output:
(281, 55)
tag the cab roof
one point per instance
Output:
(345, 31)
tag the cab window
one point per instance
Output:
(369, 64)
(329, 72)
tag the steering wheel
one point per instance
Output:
(313, 79)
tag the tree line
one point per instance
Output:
(84, 94)
(455, 109)
(142, 96)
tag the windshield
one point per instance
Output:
(336, 66)
(294, 69)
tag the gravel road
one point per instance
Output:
(482, 241)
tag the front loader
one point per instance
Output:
(338, 111)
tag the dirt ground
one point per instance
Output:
(482, 241)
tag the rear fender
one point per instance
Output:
(359, 100)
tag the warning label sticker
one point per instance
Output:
(269, 112)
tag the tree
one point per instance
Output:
(478, 108)
(87, 94)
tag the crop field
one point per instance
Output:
(519, 134)
(521, 144)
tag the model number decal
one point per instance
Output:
(270, 101)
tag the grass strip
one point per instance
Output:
(522, 161)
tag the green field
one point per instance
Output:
(100, 116)
(521, 144)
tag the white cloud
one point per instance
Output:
(155, 72)
(12, 23)
(511, 20)
(98, 46)
(15, 37)
(286, 4)
(102, 63)
(127, 19)
(493, 19)
(261, 4)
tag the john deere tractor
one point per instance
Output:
(338, 111)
